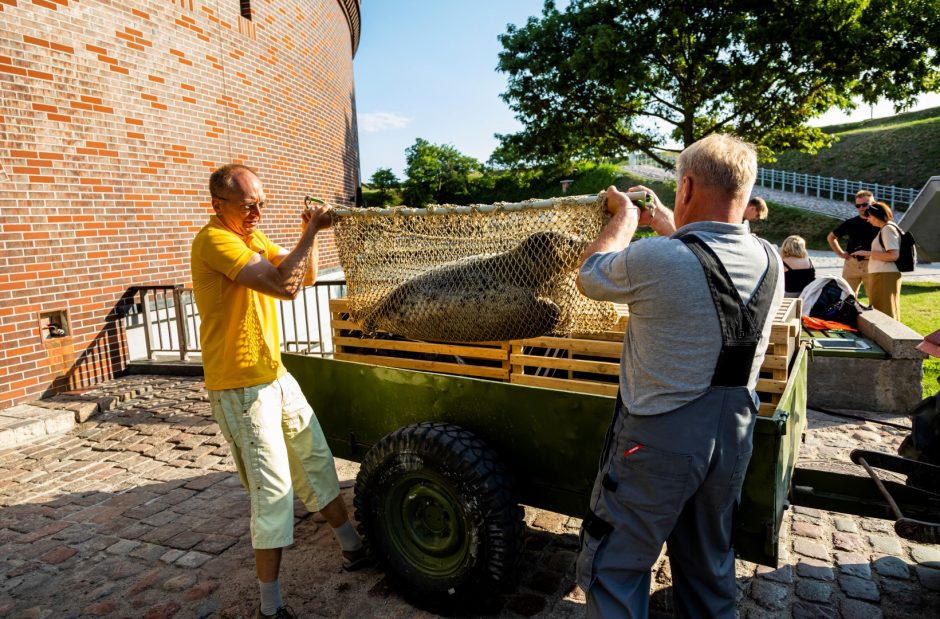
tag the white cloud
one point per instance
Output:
(373, 122)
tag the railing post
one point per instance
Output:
(145, 307)
(180, 321)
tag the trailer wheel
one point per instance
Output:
(437, 507)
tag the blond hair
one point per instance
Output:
(760, 205)
(722, 161)
(864, 193)
(794, 246)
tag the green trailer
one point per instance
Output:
(447, 460)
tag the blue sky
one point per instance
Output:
(427, 68)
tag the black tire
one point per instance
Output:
(437, 507)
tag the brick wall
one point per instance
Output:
(112, 116)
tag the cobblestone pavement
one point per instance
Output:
(137, 512)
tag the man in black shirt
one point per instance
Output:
(860, 235)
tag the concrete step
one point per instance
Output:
(26, 423)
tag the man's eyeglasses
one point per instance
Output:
(247, 207)
(865, 205)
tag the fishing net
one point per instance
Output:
(472, 274)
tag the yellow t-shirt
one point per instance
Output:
(239, 334)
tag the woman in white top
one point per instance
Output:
(884, 291)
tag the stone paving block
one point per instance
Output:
(878, 526)
(902, 593)
(184, 540)
(161, 518)
(857, 609)
(810, 549)
(884, 545)
(859, 588)
(814, 590)
(149, 552)
(807, 610)
(180, 582)
(215, 544)
(58, 555)
(928, 556)
(171, 555)
(192, 559)
(807, 529)
(201, 590)
(807, 511)
(812, 568)
(853, 564)
(123, 547)
(891, 567)
(770, 595)
(928, 577)
(782, 574)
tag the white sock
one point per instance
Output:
(348, 539)
(270, 597)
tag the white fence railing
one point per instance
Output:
(899, 198)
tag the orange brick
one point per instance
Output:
(14, 70)
(35, 41)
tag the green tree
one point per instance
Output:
(437, 173)
(384, 179)
(606, 77)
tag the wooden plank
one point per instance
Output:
(577, 386)
(774, 363)
(768, 385)
(473, 352)
(345, 324)
(587, 347)
(339, 305)
(766, 409)
(477, 371)
(575, 365)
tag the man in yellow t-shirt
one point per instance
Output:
(275, 438)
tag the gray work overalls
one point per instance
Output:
(676, 477)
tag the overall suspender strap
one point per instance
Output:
(741, 324)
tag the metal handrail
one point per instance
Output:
(171, 320)
(841, 189)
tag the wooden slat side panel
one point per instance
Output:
(476, 371)
(577, 386)
(574, 365)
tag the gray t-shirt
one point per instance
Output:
(673, 337)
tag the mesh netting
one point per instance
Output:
(472, 274)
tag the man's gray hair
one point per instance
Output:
(221, 180)
(722, 161)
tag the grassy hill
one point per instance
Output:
(902, 150)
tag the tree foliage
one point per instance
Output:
(437, 174)
(606, 77)
(384, 179)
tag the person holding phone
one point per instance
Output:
(276, 441)
(701, 296)
(884, 278)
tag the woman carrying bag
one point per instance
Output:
(884, 278)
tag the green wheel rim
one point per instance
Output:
(426, 524)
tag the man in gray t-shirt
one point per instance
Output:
(700, 297)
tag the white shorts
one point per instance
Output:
(279, 449)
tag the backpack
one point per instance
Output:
(907, 254)
(833, 304)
